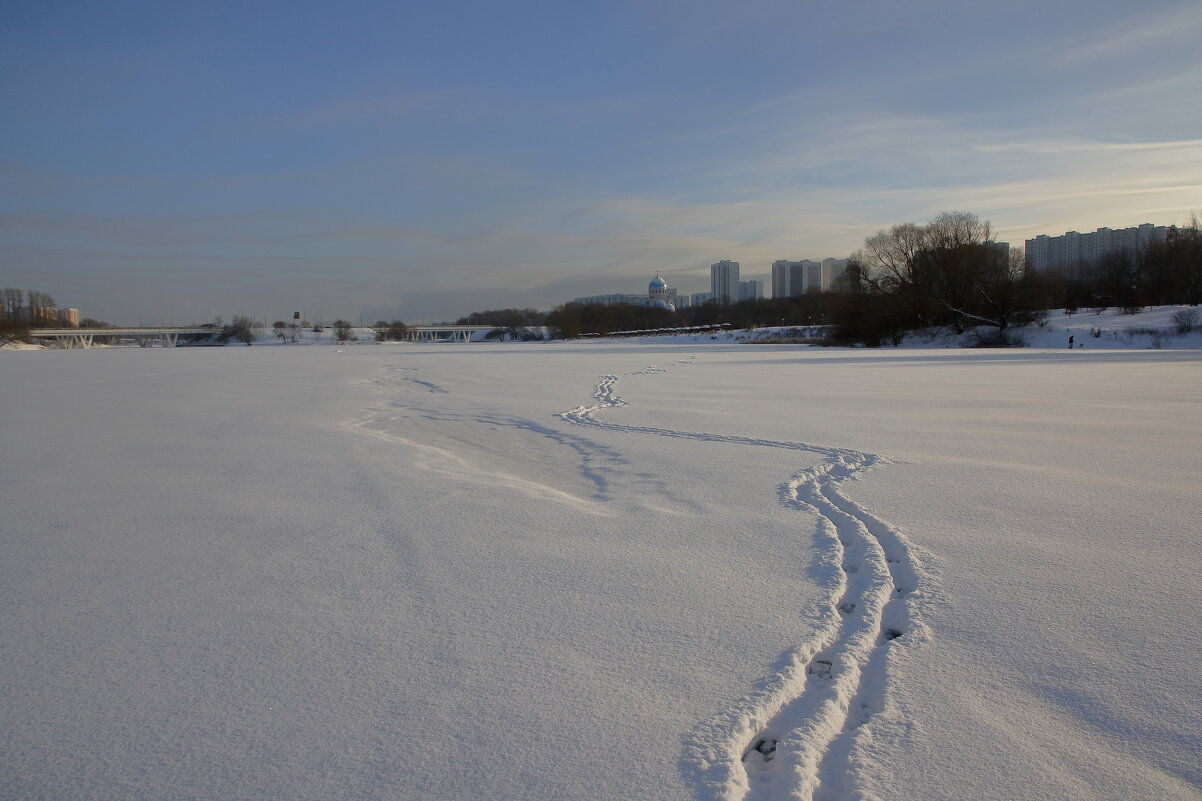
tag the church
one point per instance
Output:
(659, 295)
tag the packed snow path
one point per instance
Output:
(793, 738)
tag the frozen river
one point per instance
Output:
(597, 571)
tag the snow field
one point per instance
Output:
(600, 570)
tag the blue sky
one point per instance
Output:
(168, 162)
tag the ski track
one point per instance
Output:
(794, 735)
(599, 466)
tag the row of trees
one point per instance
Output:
(948, 274)
(21, 310)
(514, 323)
(244, 330)
(343, 330)
(33, 307)
(15, 324)
(396, 331)
(574, 319)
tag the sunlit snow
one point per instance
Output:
(626, 569)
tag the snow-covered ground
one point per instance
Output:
(601, 570)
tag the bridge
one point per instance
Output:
(444, 333)
(169, 337)
(144, 337)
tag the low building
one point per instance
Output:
(658, 294)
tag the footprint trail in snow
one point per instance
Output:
(793, 736)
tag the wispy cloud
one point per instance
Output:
(1058, 147)
(1147, 31)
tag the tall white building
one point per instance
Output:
(812, 281)
(751, 290)
(1073, 251)
(789, 277)
(832, 271)
(793, 278)
(724, 281)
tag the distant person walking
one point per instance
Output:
(1070, 342)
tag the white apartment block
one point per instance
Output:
(793, 278)
(724, 281)
(812, 281)
(751, 290)
(610, 300)
(623, 297)
(832, 271)
(1072, 251)
(789, 277)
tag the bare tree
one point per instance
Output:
(12, 301)
(891, 265)
(941, 273)
(948, 272)
(1005, 293)
(1185, 245)
(287, 331)
(1185, 321)
(957, 255)
(240, 328)
(395, 331)
(42, 309)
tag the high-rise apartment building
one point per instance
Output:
(1073, 251)
(812, 277)
(789, 277)
(724, 281)
(832, 271)
(793, 278)
(751, 290)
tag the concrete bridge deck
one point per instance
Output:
(169, 336)
(145, 337)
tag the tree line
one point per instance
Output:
(21, 310)
(33, 307)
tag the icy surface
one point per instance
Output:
(603, 570)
